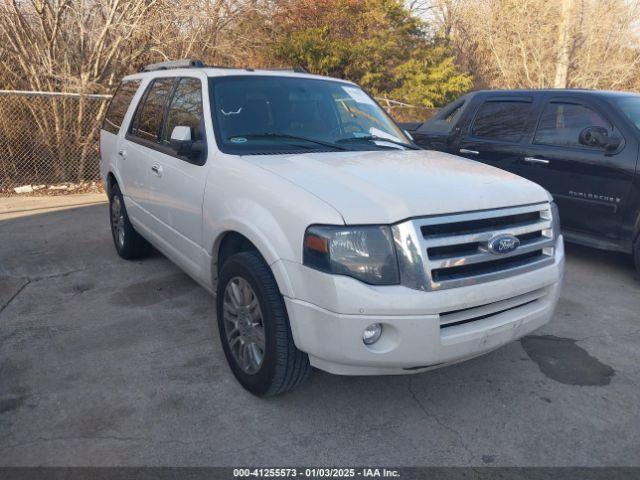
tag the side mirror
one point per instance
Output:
(599, 137)
(183, 145)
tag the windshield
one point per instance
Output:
(630, 106)
(271, 114)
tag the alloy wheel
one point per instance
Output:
(244, 325)
(117, 220)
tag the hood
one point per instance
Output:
(389, 186)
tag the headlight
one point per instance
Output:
(366, 253)
(555, 220)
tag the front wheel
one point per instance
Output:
(254, 328)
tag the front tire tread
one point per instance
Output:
(292, 367)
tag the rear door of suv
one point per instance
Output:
(137, 151)
(587, 183)
(495, 133)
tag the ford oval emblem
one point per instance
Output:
(502, 244)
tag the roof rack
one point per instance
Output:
(297, 69)
(184, 63)
(195, 63)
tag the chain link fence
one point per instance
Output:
(49, 141)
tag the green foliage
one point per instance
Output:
(376, 43)
(430, 78)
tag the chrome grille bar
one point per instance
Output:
(486, 235)
(472, 313)
(483, 256)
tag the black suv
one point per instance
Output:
(581, 145)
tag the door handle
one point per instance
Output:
(157, 169)
(122, 153)
(540, 161)
(469, 152)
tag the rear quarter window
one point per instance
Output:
(501, 120)
(119, 105)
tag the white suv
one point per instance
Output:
(328, 237)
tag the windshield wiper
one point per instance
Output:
(288, 136)
(378, 139)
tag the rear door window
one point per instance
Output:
(501, 120)
(185, 110)
(119, 105)
(148, 118)
(561, 124)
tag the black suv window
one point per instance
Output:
(146, 124)
(501, 120)
(452, 116)
(185, 109)
(119, 105)
(561, 124)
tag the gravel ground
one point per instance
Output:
(107, 362)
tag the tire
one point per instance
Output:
(129, 244)
(282, 366)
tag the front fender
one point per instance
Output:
(263, 245)
(273, 240)
(271, 212)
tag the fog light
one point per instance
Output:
(372, 334)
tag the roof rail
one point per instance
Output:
(195, 63)
(184, 63)
(297, 69)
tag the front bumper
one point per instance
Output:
(413, 338)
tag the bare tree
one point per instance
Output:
(564, 36)
(534, 44)
(86, 46)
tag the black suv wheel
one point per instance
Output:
(254, 328)
(129, 244)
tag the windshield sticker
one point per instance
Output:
(231, 112)
(382, 134)
(238, 139)
(358, 95)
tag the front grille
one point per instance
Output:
(481, 312)
(455, 247)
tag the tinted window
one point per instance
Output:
(260, 114)
(630, 106)
(444, 120)
(453, 115)
(148, 119)
(185, 109)
(561, 124)
(501, 120)
(119, 105)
